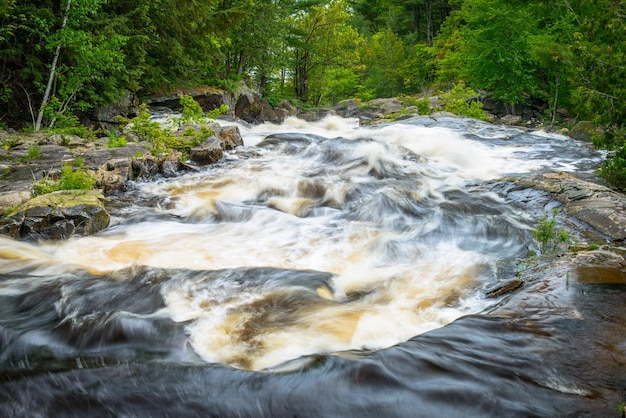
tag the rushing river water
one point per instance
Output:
(297, 277)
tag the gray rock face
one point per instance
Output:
(208, 152)
(230, 137)
(598, 206)
(57, 216)
(113, 176)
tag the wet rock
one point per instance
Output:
(503, 288)
(348, 109)
(287, 107)
(386, 106)
(113, 175)
(126, 107)
(208, 152)
(96, 158)
(57, 215)
(254, 109)
(597, 205)
(145, 167)
(230, 137)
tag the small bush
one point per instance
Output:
(547, 234)
(215, 113)
(75, 179)
(191, 111)
(115, 139)
(69, 179)
(613, 170)
(459, 101)
(33, 152)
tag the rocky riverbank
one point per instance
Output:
(26, 158)
(30, 158)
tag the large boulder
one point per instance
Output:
(208, 152)
(57, 215)
(583, 131)
(348, 108)
(230, 137)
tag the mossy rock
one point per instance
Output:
(583, 131)
(57, 215)
(64, 199)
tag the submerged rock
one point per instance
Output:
(57, 215)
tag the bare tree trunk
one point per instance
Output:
(554, 105)
(53, 70)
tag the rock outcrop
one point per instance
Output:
(57, 215)
(113, 176)
(208, 152)
(594, 204)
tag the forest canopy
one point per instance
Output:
(60, 58)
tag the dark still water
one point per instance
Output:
(322, 270)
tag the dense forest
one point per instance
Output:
(59, 58)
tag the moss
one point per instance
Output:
(62, 199)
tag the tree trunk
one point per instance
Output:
(53, 70)
(555, 103)
(240, 63)
(428, 5)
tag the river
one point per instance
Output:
(323, 269)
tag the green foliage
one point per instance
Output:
(613, 170)
(491, 49)
(71, 178)
(547, 234)
(215, 113)
(421, 103)
(321, 39)
(163, 141)
(115, 139)
(191, 111)
(33, 152)
(43, 186)
(593, 246)
(462, 101)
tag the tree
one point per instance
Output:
(486, 44)
(321, 38)
(256, 49)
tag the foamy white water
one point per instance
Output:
(392, 217)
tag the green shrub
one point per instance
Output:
(33, 152)
(115, 139)
(69, 179)
(215, 113)
(43, 186)
(547, 234)
(613, 170)
(162, 141)
(459, 101)
(191, 111)
(75, 179)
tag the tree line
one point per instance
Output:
(61, 58)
